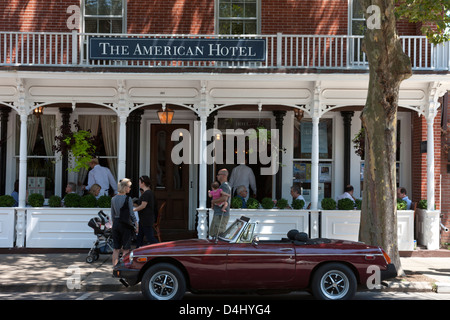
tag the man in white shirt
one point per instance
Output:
(243, 175)
(348, 194)
(101, 176)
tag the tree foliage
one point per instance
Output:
(434, 15)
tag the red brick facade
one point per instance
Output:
(189, 16)
(445, 184)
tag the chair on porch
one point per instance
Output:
(158, 221)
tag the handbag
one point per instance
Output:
(124, 216)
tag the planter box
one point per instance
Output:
(7, 228)
(273, 224)
(343, 224)
(340, 224)
(427, 228)
(61, 227)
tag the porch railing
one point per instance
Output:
(282, 51)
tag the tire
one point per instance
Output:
(163, 281)
(89, 259)
(333, 281)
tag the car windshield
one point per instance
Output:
(233, 231)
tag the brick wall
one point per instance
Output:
(170, 16)
(419, 168)
(34, 15)
(304, 17)
(445, 192)
(419, 160)
(188, 16)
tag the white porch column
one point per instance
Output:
(435, 91)
(122, 147)
(315, 163)
(202, 228)
(23, 159)
(200, 158)
(430, 164)
(21, 211)
(315, 147)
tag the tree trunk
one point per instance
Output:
(388, 67)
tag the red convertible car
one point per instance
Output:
(237, 261)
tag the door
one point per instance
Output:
(170, 182)
(265, 265)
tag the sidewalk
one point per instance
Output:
(60, 272)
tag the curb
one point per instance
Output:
(394, 286)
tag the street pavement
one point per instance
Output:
(66, 272)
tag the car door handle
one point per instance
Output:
(286, 249)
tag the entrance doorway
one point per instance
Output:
(170, 182)
(264, 183)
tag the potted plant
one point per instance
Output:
(6, 201)
(36, 200)
(252, 203)
(267, 203)
(236, 203)
(72, 200)
(358, 143)
(80, 143)
(104, 201)
(358, 203)
(328, 204)
(54, 201)
(298, 204)
(282, 203)
(401, 205)
(422, 204)
(88, 201)
(346, 204)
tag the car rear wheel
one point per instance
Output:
(163, 281)
(334, 281)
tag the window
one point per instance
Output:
(41, 158)
(357, 27)
(238, 17)
(358, 23)
(104, 16)
(302, 157)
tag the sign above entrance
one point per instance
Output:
(177, 49)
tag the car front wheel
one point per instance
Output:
(163, 281)
(334, 281)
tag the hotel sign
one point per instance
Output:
(177, 49)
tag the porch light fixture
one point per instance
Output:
(165, 115)
(299, 115)
(38, 111)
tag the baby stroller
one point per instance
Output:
(104, 242)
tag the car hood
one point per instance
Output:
(171, 246)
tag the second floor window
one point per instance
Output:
(104, 16)
(358, 23)
(238, 17)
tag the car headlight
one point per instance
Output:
(131, 257)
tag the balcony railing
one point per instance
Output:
(282, 51)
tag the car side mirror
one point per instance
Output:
(255, 241)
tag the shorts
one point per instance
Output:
(121, 236)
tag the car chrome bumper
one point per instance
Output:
(389, 273)
(127, 276)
